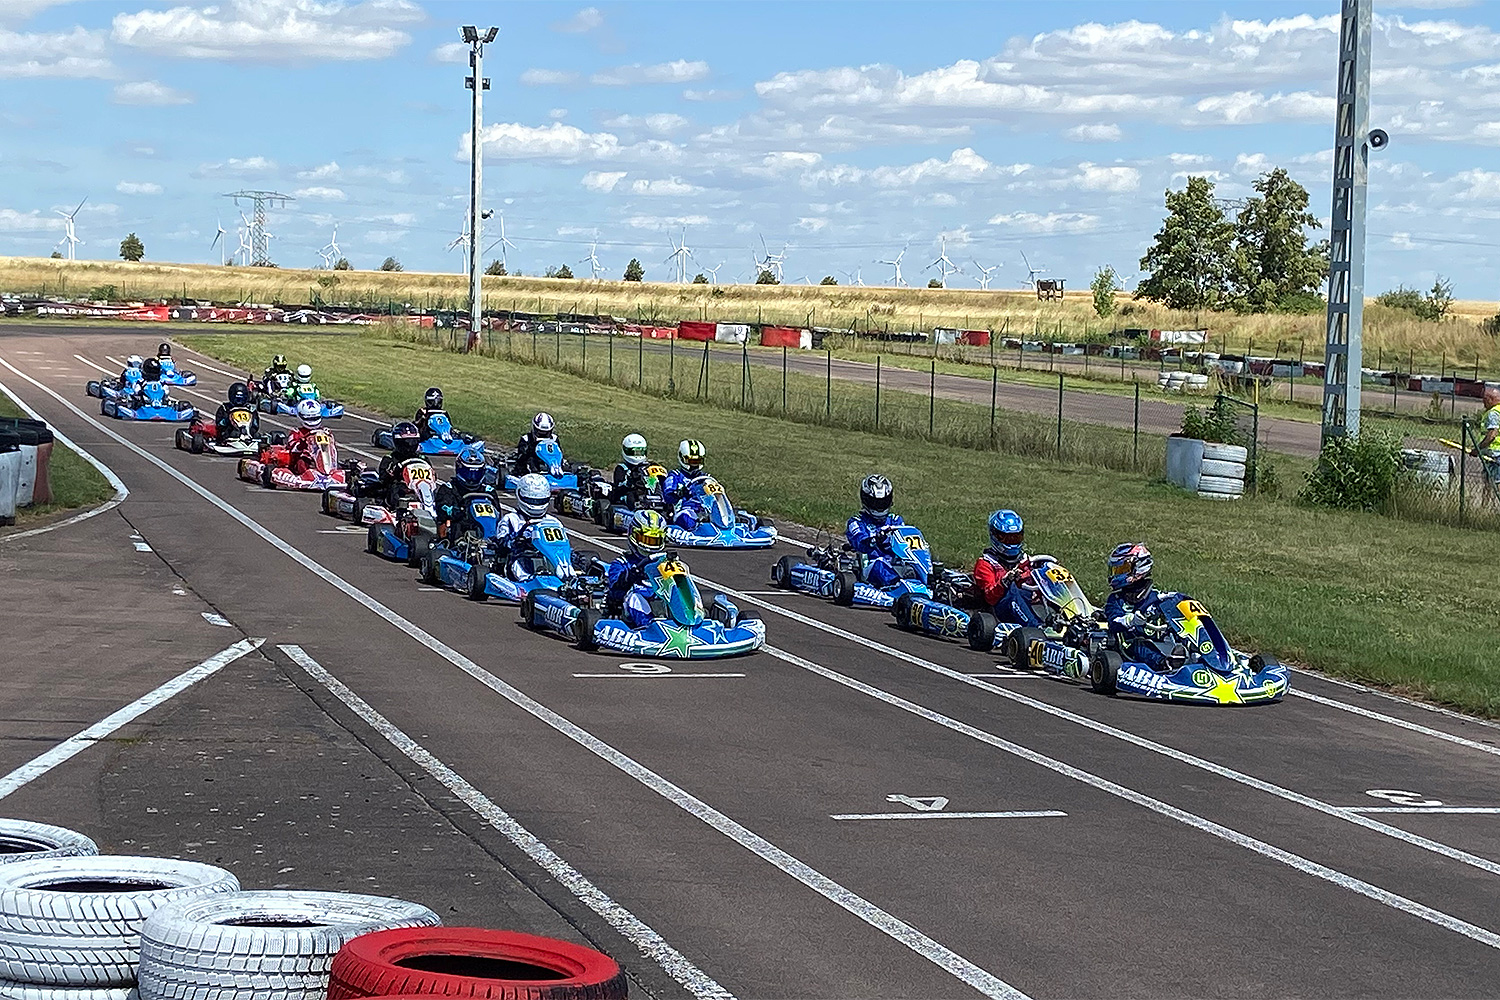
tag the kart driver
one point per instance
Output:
(404, 441)
(632, 486)
(1133, 607)
(150, 375)
(866, 531)
(628, 597)
(543, 428)
(533, 501)
(299, 443)
(468, 478)
(302, 386)
(690, 456)
(1001, 558)
(163, 350)
(278, 367)
(239, 399)
(432, 402)
(131, 377)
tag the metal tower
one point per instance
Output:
(478, 83)
(1352, 142)
(260, 245)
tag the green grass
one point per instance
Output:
(75, 483)
(1358, 595)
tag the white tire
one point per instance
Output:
(1225, 453)
(26, 991)
(1227, 470)
(1221, 496)
(21, 840)
(1221, 484)
(77, 921)
(273, 945)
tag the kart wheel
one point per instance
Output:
(414, 549)
(474, 584)
(981, 634)
(94, 390)
(195, 443)
(326, 503)
(1263, 661)
(180, 439)
(372, 540)
(901, 611)
(764, 522)
(427, 569)
(1018, 647)
(265, 478)
(1104, 671)
(781, 572)
(277, 438)
(358, 513)
(583, 629)
(528, 608)
(843, 590)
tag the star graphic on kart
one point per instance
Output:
(680, 639)
(1225, 691)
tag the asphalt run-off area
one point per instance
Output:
(215, 671)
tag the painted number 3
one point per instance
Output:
(1402, 798)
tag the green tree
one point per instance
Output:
(1188, 264)
(935, 283)
(1103, 286)
(496, 268)
(57, 255)
(634, 271)
(829, 279)
(564, 272)
(1434, 305)
(391, 264)
(131, 248)
(767, 277)
(343, 265)
(1439, 300)
(1273, 263)
(700, 279)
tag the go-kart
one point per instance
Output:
(203, 435)
(125, 384)
(594, 499)
(276, 468)
(717, 525)
(679, 628)
(441, 438)
(541, 559)
(1184, 657)
(171, 376)
(842, 574)
(393, 532)
(279, 395)
(560, 474)
(149, 402)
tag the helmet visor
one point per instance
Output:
(876, 505)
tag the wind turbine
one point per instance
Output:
(774, 261)
(943, 264)
(858, 281)
(896, 263)
(69, 236)
(984, 274)
(680, 253)
(1031, 272)
(220, 242)
(330, 253)
(592, 260)
(461, 241)
(713, 273)
(244, 234)
(502, 243)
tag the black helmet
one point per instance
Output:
(875, 495)
(239, 394)
(163, 350)
(151, 370)
(404, 439)
(433, 400)
(278, 361)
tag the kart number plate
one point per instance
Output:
(483, 509)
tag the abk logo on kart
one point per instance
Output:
(1142, 677)
(556, 615)
(614, 635)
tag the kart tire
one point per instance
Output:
(528, 609)
(427, 569)
(277, 438)
(94, 389)
(1018, 647)
(472, 963)
(1225, 453)
(583, 629)
(266, 479)
(269, 945)
(109, 408)
(474, 583)
(22, 840)
(372, 540)
(195, 443)
(1263, 661)
(1222, 485)
(10, 990)
(327, 502)
(1229, 470)
(781, 572)
(981, 634)
(901, 611)
(764, 522)
(414, 549)
(1104, 672)
(77, 921)
(179, 439)
(604, 516)
(358, 513)
(843, 590)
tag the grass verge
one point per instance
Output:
(75, 483)
(1356, 595)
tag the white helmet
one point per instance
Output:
(690, 455)
(310, 412)
(533, 496)
(633, 448)
(134, 361)
(543, 426)
(304, 373)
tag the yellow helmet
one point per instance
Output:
(648, 533)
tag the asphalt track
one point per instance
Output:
(690, 825)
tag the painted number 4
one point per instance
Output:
(1402, 798)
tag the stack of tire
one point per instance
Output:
(1222, 476)
(1182, 382)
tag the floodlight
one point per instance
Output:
(489, 36)
(470, 33)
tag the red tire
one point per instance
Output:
(469, 962)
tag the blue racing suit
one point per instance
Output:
(1129, 620)
(628, 595)
(864, 532)
(674, 489)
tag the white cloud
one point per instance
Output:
(548, 78)
(320, 173)
(402, 219)
(76, 54)
(149, 93)
(660, 188)
(1115, 179)
(1052, 222)
(320, 194)
(657, 124)
(676, 71)
(666, 221)
(237, 165)
(12, 221)
(21, 11)
(1478, 185)
(602, 181)
(812, 224)
(563, 143)
(1095, 133)
(133, 187)
(272, 30)
(711, 95)
(557, 114)
(581, 23)
(453, 53)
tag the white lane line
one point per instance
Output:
(1018, 814)
(81, 741)
(1307, 801)
(654, 676)
(1008, 677)
(142, 547)
(1413, 810)
(1390, 696)
(651, 944)
(898, 930)
(1391, 720)
(101, 368)
(216, 619)
(121, 493)
(1332, 875)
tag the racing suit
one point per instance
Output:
(223, 426)
(388, 482)
(527, 460)
(632, 487)
(420, 419)
(1129, 620)
(628, 596)
(449, 500)
(299, 450)
(674, 490)
(993, 577)
(865, 534)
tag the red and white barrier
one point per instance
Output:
(785, 336)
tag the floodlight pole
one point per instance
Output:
(477, 83)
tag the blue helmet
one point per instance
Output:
(470, 467)
(1007, 533)
(1129, 566)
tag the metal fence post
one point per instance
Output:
(640, 360)
(931, 394)
(558, 338)
(828, 380)
(877, 392)
(533, 343)
(744, 371)
(783, 380)
(672, 363)
(1463, 469)
(994, 387)
(1251, 471)
(585, 362)
(1135, 433)
(611, 355)
(1059, 413)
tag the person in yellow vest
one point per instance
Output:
(1489, 439)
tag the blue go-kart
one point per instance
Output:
(715, 523)
(171, 376)
(440, 439)
(559, 475)
(680, 628)
(468, 564)
(1185, 658)
(150, 402)
(843, 575)
(402, 533)
(126, 383)
(286, 405)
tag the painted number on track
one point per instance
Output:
(1402, 798)
(646, 668)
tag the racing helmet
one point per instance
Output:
(1130, 569)
(310, 413)
(239, 394)
(404, 439)
(1007, 533)
(278, 362)
(875, 496)
(690, 455)
(164, 350)
(633, 449)
(151, 369)
(543, 426)
(433, 399)
(304, 373)
(533, 496)
(134, 361)
(648, 533)
(470, 466)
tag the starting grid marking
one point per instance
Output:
(1014, 814)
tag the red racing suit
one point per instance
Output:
(992, 577)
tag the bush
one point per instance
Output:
(700, 278)
(1301, 303)
(634, 271)
(1103, 286)
(767, 277)
(829, 279)
(391, 264)
(1215, 424)
(1433, 305)
(343, 265)
(496, 268)
(1361, 472)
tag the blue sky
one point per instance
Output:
(846, 130)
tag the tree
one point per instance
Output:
(391, 264)
(1103, 286)
(634, 271)
(767, 277)
(131, 248)
(343, 265)
(935, 283)
(563, 272)
(496, 268)
(1433, 305)
(1189, 262)
(57, 255)
(829, 279)
(1273, 263)
(700, 278)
